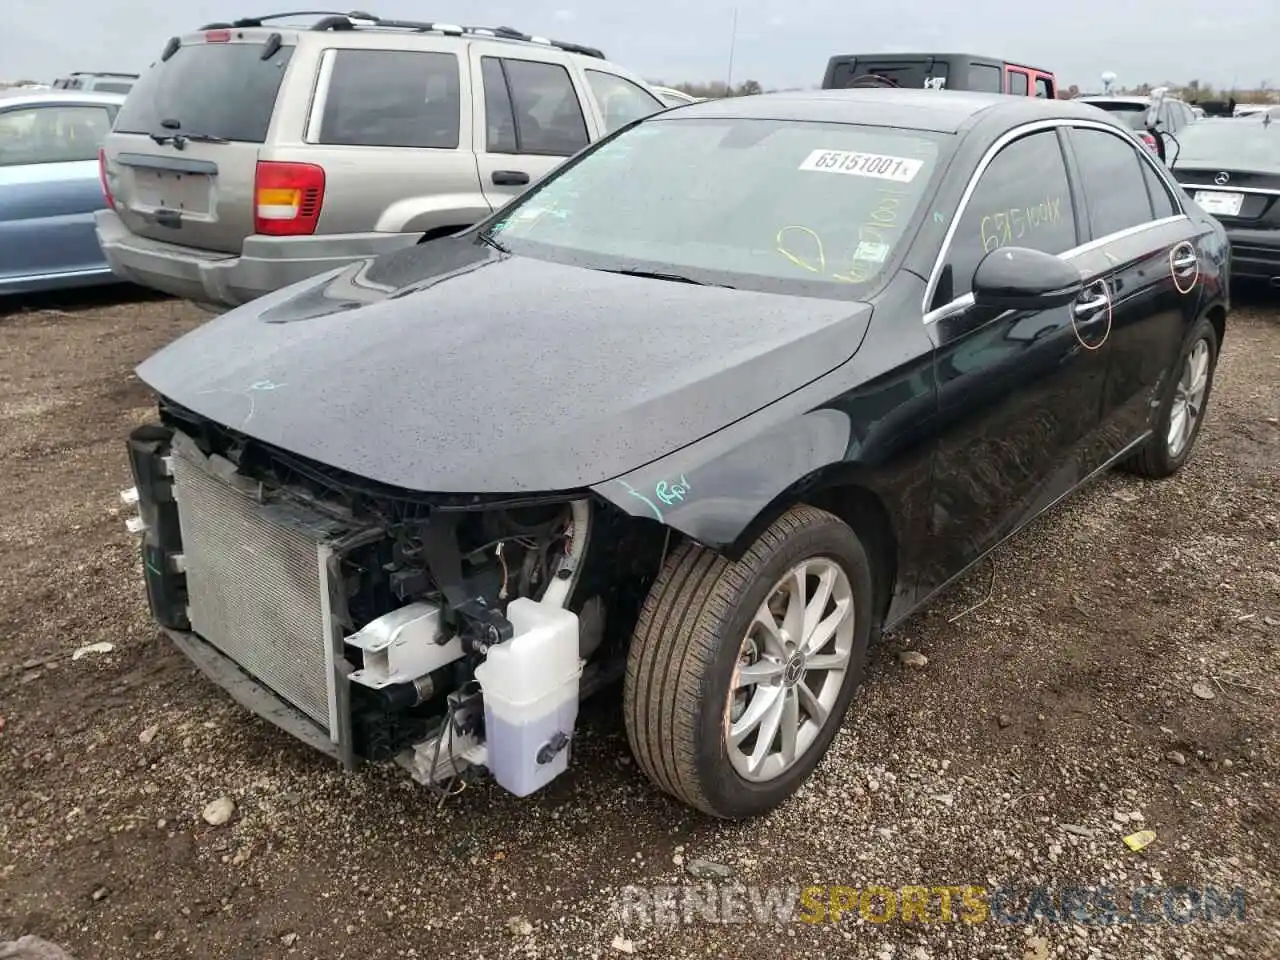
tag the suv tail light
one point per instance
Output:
(1150, 141)
(287, 198)
(102, 177)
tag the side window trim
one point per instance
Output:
(320, 98)
(1002, 141)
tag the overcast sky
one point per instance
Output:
(779, 44)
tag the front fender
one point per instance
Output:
(843, 429)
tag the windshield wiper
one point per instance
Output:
(179, 140)
(490, 240)
(671, 277)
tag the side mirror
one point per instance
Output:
(1018, 278)
(1152, 119)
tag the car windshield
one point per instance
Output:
(1134, 114)
(224, 90)
(810, 208)
(1233, 144)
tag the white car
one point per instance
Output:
(673, 97)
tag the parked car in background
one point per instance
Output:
(252, 156)
(1231, 168)
(1172, 115)
(1248, 109)
(50, 189)
(940, 71)
(711, 448)
(673, 97)
(97, 82)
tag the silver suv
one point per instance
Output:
(89, 81)
(251, 156)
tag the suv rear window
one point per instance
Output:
(216, 89)
(921, 74)
(1134, 114)
(392, 98)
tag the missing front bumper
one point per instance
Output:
(260, 700)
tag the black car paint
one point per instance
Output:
(956, 432)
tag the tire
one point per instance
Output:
(697, 634)
(1159, 456)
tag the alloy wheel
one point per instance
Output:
(1188, 399)
(790, 671)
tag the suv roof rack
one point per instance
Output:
(102, 73)
(358, 19)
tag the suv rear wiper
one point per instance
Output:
(179, 140)
(672, 277)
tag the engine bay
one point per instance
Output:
(452, 634)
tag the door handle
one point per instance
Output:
(1084, 308)
(509, 178)
(1185, 263)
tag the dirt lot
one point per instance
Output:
(1066, 699)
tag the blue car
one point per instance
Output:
(50, 187)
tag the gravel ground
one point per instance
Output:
(1048, 723)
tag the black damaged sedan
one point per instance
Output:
(705, 411)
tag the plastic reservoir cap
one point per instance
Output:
(540, 657)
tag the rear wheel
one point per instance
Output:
(739, 673)
(1182, 412)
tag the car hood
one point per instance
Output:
(498, 374)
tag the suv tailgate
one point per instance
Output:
(184, 149)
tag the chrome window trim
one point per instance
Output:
(1003, 141)
(320, 98)
(1213, 187)
(962, 303)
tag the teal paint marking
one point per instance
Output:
(673, 491)
(640, 496)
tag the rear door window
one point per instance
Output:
(49, 134)
(620, 100)
(1111, 174)
(546, 114)
(392, 98)
(217, 89)
(1018, 83)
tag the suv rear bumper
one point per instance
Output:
(265, 265)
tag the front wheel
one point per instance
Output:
(739, 673)
(1181, 414)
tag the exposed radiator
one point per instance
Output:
(258, 588)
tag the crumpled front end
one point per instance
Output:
(362, 619)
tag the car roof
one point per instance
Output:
(921, 54)
(28, 98)
(935, 110)
(1137, 100)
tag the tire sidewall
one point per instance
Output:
(1202, 330)
(728, 792)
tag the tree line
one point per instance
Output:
(1192, 92)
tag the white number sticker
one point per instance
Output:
(872, 251)
(878, 165)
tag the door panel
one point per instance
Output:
(46, 218)
(1019, 391)
(1134, 226)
